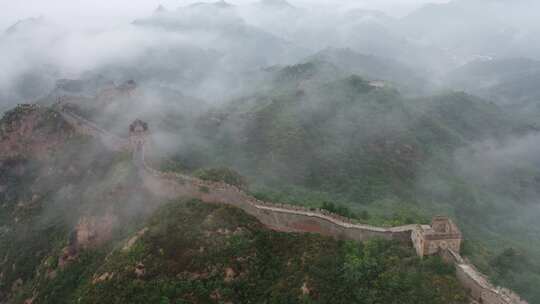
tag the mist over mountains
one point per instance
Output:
(216, 40)
(394, 119)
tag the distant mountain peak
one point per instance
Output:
(160, 9)
(276, 3)
(222, 4)
(363, 13)
(25, 24)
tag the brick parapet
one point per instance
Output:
(481, 289)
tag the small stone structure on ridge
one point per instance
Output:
(138, 131)
(441, 235)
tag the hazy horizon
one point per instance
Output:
(116, 12)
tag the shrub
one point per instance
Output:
(225, 175)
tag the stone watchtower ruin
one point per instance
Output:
(442, 234)
(138, 133)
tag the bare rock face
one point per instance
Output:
(134, 239)
(140, 270)
(102, 278)
(30, 130)
(230, 274)
(69, 254)
(93, 231)
(305, 289)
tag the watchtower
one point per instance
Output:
(138, 133)
(443, 234)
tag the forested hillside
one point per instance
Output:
(388, 158)
(386, 112)
(78, 227)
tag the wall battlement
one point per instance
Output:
(442, 237)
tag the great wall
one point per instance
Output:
(442, 237)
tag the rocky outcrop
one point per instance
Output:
(90, 232)
(32, 131)
(93, 231)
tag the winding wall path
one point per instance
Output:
(282, 217)
(277, 216)
(84, 126)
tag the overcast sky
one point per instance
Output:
(121, 11)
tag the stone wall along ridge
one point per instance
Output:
(284, 217)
